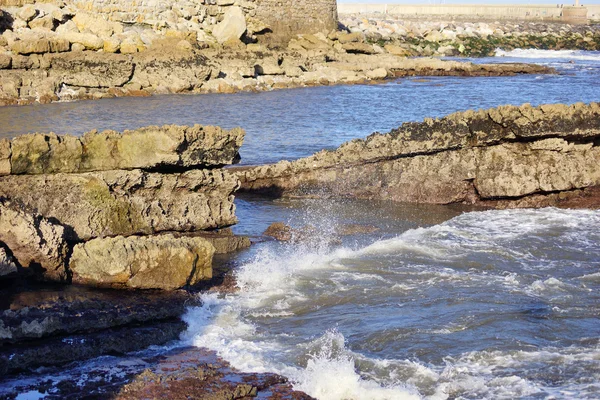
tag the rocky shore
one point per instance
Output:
(55, 52)
(410, 36)
(502, 157)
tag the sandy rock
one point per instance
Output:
(359, 48)
(377, 74)
(111, 203)
(37, 244)
(96, 24)
(132, 44)
(46, 23)
(31, 46)
(350, 37)
(67, 27)
(27, 12)
(88, 40)
(7, 263)
(269, 66)
(157, 262)
(5, 61)
(233, 25)
(5, 154)
(397, 50)
(112, 45)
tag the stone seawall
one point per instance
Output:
(503, 157)
(486, 11)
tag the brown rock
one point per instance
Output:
(5, 61)
(31, 46)
(35, 242)
(157, 262)
(111, 203)
(5, 153)
(91, 70)
(279, 231)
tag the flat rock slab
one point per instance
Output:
(506, 152)
(112, 203)
(153, 147)
(151, 262)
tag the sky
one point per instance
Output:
(522, 2)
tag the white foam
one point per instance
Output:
(550, 54)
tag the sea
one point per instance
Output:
(422, 302)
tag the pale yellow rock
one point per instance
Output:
(233, 25)
(88, 40)
(27, 12)
(31, 46)
(97, 25)
(156, 262)
(112, 45)
(5, 153)
(377, 74)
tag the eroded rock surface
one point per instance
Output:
(145, 148)
(156, 262)
(36, 243)
(111, 203)
(507, 153)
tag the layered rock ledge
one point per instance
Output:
(503, 157)
(88, 209)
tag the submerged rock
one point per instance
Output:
(473, 157)
(145, 148)
(36, 243)
(156, 262)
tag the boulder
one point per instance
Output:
(359, 48)
(5, 61)
(96, 25)
(156, 262)
(88, 40)
(27, 12)
(36, 243)
(146, 148)
(233, 25)
(45, 23)
(111, 203)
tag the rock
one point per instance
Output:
(359, 48)
(36, 243)
(88, 40)
(157, 262)
(27, 13)
(223, 240)
(97, 25)
(31, 46)
(146, 148)
(233, 25)
(7, 266)
(279, 231)
(112, 45)
(350, 37)
(268, 66)
(111, 203)
(91, 69)
(46, 22)
(473, 157)
(58, 45)
(178, 71)
(5, 154)
(132, 44)
(397, 50)
(377, 74)
(5, 61)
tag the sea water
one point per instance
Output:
(437, 302)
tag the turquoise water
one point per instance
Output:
(436, 302)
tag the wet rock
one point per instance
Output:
(36, 243)
(111, 203)
(279, 231)
(156, 262)
(475, 156)
(147, 148)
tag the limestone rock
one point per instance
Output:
(157, 262)
(5, 154)
(146, 148)
(87, 40)
(111, 203)
(34, 241)
(359, 48)
(506, 152)
(91, 70)
(46, 23)
(5, 61)
(233, 25)
(96, 25)
(31, 46)
(269, 66)
(27, 12)
(7, 264)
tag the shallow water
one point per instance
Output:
(437, 302)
